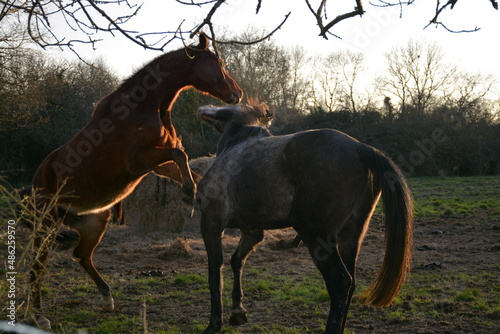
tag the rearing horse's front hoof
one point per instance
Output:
(187, 208)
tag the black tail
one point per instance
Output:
(65, 239)
(398, 213)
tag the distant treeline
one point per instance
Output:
(440, 144)
(447, 129)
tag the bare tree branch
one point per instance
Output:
(208, 18)
(259, 39)
(192, 3)
(259, 4)
(89, 19)
(383, 3)
(321, 11)
(439, 9)
(208, 21)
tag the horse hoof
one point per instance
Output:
(108, 304)
(43, 322)
(210, 331)
(238, 317)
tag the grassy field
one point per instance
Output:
(158, 288)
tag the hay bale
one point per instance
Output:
(155, 205)
(179, 248)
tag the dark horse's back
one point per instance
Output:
(322, 158)
(330, 178)
(266, 177)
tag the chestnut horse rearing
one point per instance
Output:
(130, 134)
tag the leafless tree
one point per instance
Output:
(260, 69)
(469, 93)
(296, 89)
(336, 81)
(327, 85)
(351, 64)
(416, 72)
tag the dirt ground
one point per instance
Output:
(454, 287)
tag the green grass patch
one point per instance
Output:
(455, 196)
(169, 330)
(468, 295)
(80, 316)
(275, 329)
(182, 279)
(119, 324)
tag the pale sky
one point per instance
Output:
(374, 34)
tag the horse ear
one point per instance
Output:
(204, 42)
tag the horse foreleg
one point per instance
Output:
(213, 244)
(186, 178)
(171, 171)
(91, 229)
(160, 159)
(248, 241)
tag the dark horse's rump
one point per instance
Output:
(323, 183)
(130, 134)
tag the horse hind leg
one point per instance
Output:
(339, 281)
(248, 241)
(91, 229)
(352, 234)
(350, 240)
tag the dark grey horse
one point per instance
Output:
(323, 183)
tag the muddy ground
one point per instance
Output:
(155, 273)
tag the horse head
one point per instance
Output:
(209, 75)
(253, 114)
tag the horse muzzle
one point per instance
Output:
(234, 98)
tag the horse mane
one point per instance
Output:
(136, 78)
(255, 113)
(252, 122)
(174, 57)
